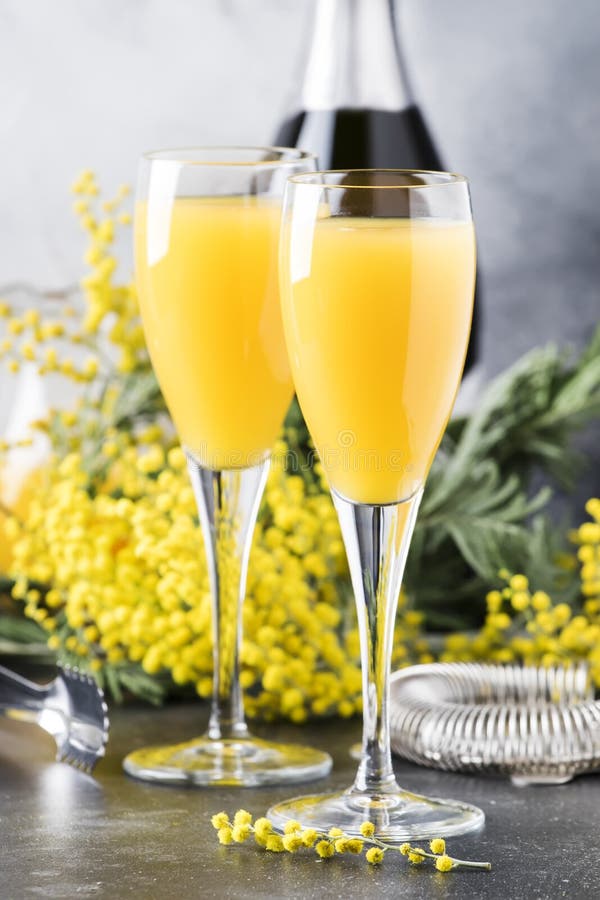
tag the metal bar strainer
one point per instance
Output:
(537, 725)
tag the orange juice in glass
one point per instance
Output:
(377, 281)
(210, 306)
(206, 242)
(379, 328)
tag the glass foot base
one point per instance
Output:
(397, 817)
(237, 762)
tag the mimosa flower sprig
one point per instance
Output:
(108, 320)
(102, 553)
(332, 843)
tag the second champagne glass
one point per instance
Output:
(206, 235)
(377, 279)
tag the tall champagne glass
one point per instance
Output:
(377, 278)
(206, 238)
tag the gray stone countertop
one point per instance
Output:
(67, 835)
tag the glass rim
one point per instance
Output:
(311, 179)
(182, 155)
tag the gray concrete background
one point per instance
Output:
(511, 90)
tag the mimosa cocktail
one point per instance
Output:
(377, 280)
(206, 236)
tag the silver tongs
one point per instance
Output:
(71, 708)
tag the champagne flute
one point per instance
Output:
(377, 272)
(206, 237)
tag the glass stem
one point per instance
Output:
(377, 539)
(228, 502)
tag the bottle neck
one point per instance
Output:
(355, 60)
